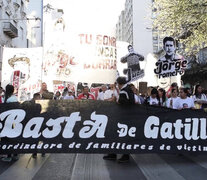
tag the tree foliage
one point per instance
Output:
(185, 20)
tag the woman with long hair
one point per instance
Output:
(152, 99)
(199, 96)
(162, 97)
(174, 96)
(9, 98)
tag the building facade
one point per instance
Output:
(13, 25)
(120, 27)
(35, 27)
(134, 26)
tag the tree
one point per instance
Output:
(185, 20)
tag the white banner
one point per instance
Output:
(21, 67)
(92, 59)
(74, 54)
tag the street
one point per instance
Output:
(92, 167)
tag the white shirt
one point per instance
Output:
(69, 97)
(115, 94)
(137, 99)
(110, 93)
(184, 103)
(203, 98)
(11, 99)
(173, 102)
(153, 101)
(105, 95)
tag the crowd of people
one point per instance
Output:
(122, 93)
(176, 97)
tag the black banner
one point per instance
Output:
(99, 127)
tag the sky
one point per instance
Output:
(34, 8)
(91, 15)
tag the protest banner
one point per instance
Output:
(77, 55)
(21, 67)
(171, 64)
(100, 127)
(133, 71)
(87, 58)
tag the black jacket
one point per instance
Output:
(126, 96)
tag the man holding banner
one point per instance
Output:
(126, 98)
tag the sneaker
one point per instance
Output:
(34, 155)
(6, 159)
(124, 158)
(15, 158)
(110, 157)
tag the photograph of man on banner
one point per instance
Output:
(171, 64)
(132, 59)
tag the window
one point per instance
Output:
(7, 14)
(22, 6)
(15, 23)
(22, 33)
(0, 11)
(60, 11)
(202, 56)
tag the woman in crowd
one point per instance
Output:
(184, 102)
(65, 92)
(174, 96)
(162, 97)
(152, 99)
(189, 90)
(9, 98)
(136, 94)
(173, 86)
(198, 96)
(57, 95)
(114, 92)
